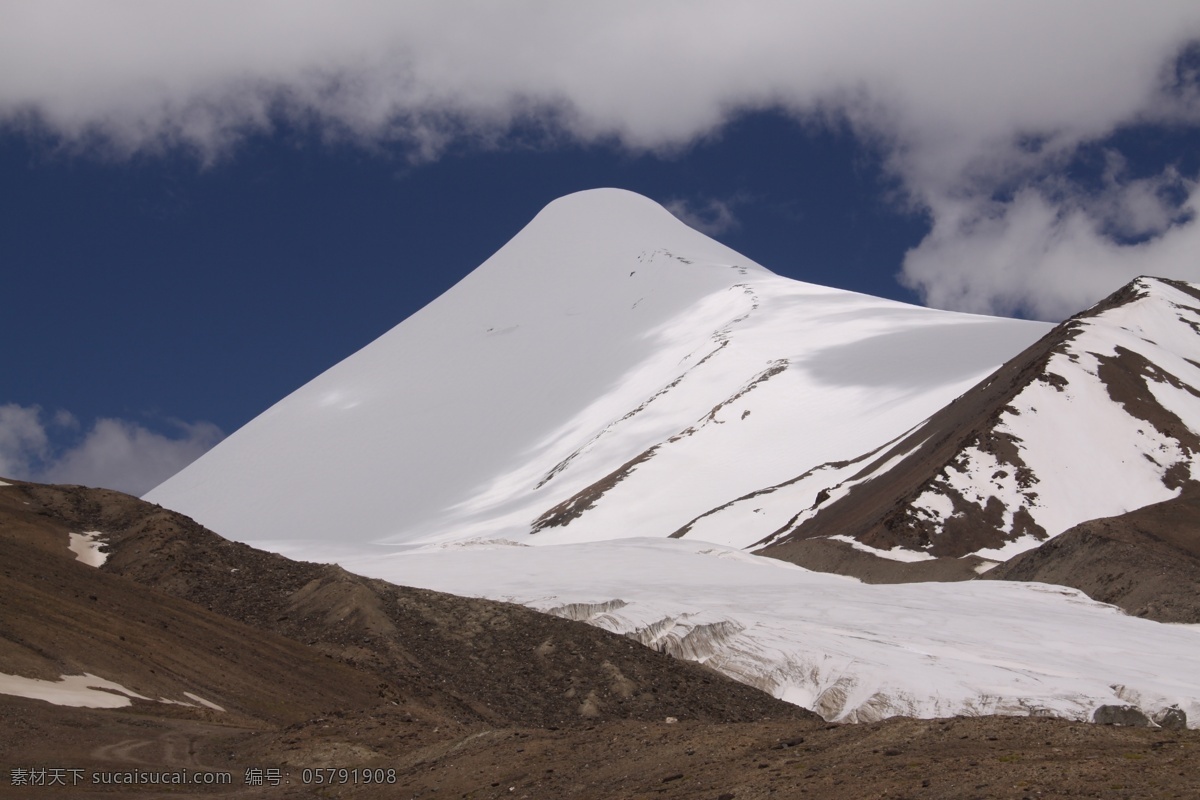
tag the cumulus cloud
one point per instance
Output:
(1029, 254)
(966, 100)
(114, 454)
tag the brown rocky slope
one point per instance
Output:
(1147, 561)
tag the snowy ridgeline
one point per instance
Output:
(847, 650)
(1110, 426)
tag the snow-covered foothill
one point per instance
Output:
(1098, 418)
(1112, 426)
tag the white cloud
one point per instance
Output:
(23, 440)
(953, 92)
(114, 454)
(1051, 255)
(64, 419)
(712, 217)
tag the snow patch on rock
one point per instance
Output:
(87, 547)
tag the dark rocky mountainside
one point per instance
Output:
(62, 616)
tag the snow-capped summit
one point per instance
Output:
(609, 372)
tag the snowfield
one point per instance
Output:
(847, 650)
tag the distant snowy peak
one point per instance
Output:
(1098, 418)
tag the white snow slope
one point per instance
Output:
(605, 331)
(610, 375)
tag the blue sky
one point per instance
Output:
(203, 206)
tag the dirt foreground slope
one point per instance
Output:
(468, 659)
(319, 671)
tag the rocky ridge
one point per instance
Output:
(1097, 418)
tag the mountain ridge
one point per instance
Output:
(1146, 561)
(893, 508)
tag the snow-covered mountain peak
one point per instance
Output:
(609, 372)
(582, 251)
(1151, 308)
(608, 222)
(416, 421)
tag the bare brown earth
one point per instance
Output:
(989, 757)
(1147, 561)
(442, 696)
